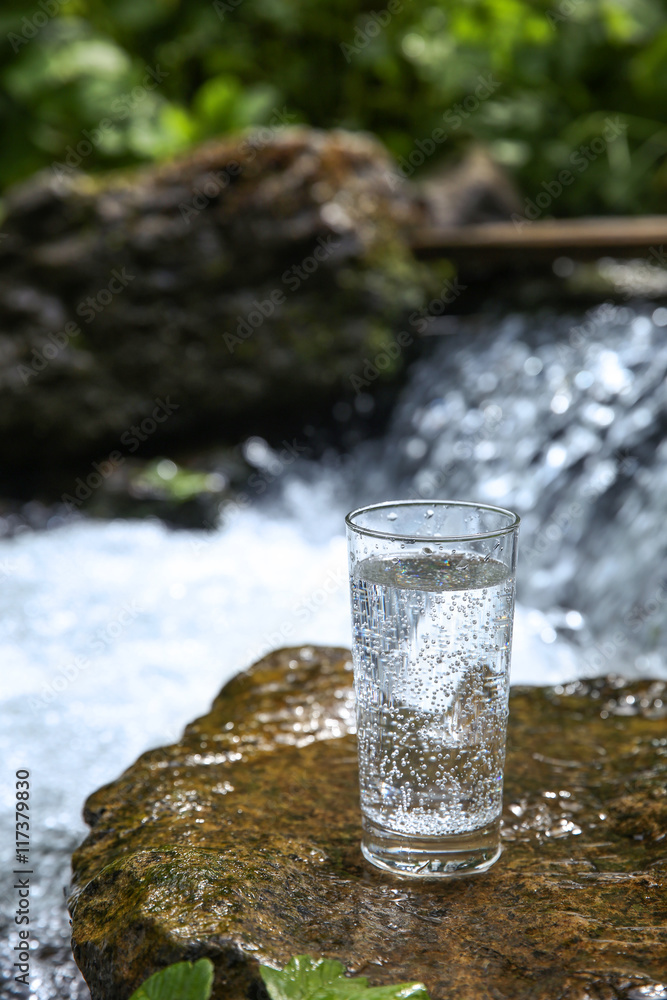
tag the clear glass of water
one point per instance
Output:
(432, 587)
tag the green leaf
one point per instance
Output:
(182, 981)
(305, 978)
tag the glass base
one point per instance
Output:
(451, 856)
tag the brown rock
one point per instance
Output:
(241, 843)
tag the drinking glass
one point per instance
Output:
(432, 588)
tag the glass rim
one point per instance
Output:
(416, 536)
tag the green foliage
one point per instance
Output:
(182, 981)
(164, 478)
(96, 85)
(304, 978)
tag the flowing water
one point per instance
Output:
(114, 635)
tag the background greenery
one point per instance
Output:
(563, 66)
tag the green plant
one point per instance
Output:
(303, 978)
(182, 981)
(90, 85)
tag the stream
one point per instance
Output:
(116, 634)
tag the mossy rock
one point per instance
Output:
(244, 283)
(241, 843)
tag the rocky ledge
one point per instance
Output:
(241, 843)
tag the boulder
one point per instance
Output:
(235, 289)
(241, 843)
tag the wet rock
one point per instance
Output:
(233, 290)
(241, 843)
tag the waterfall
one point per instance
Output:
(561, 419)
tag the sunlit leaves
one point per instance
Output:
(305, 978)
(182, 981)
(230, 63)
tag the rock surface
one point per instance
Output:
(241, 843)
(234, 288)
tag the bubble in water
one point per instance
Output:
(432, 658)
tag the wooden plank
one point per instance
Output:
(586, 237)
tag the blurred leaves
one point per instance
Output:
(167, 74)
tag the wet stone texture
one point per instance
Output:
(241, 843)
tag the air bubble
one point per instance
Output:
(419, 746)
